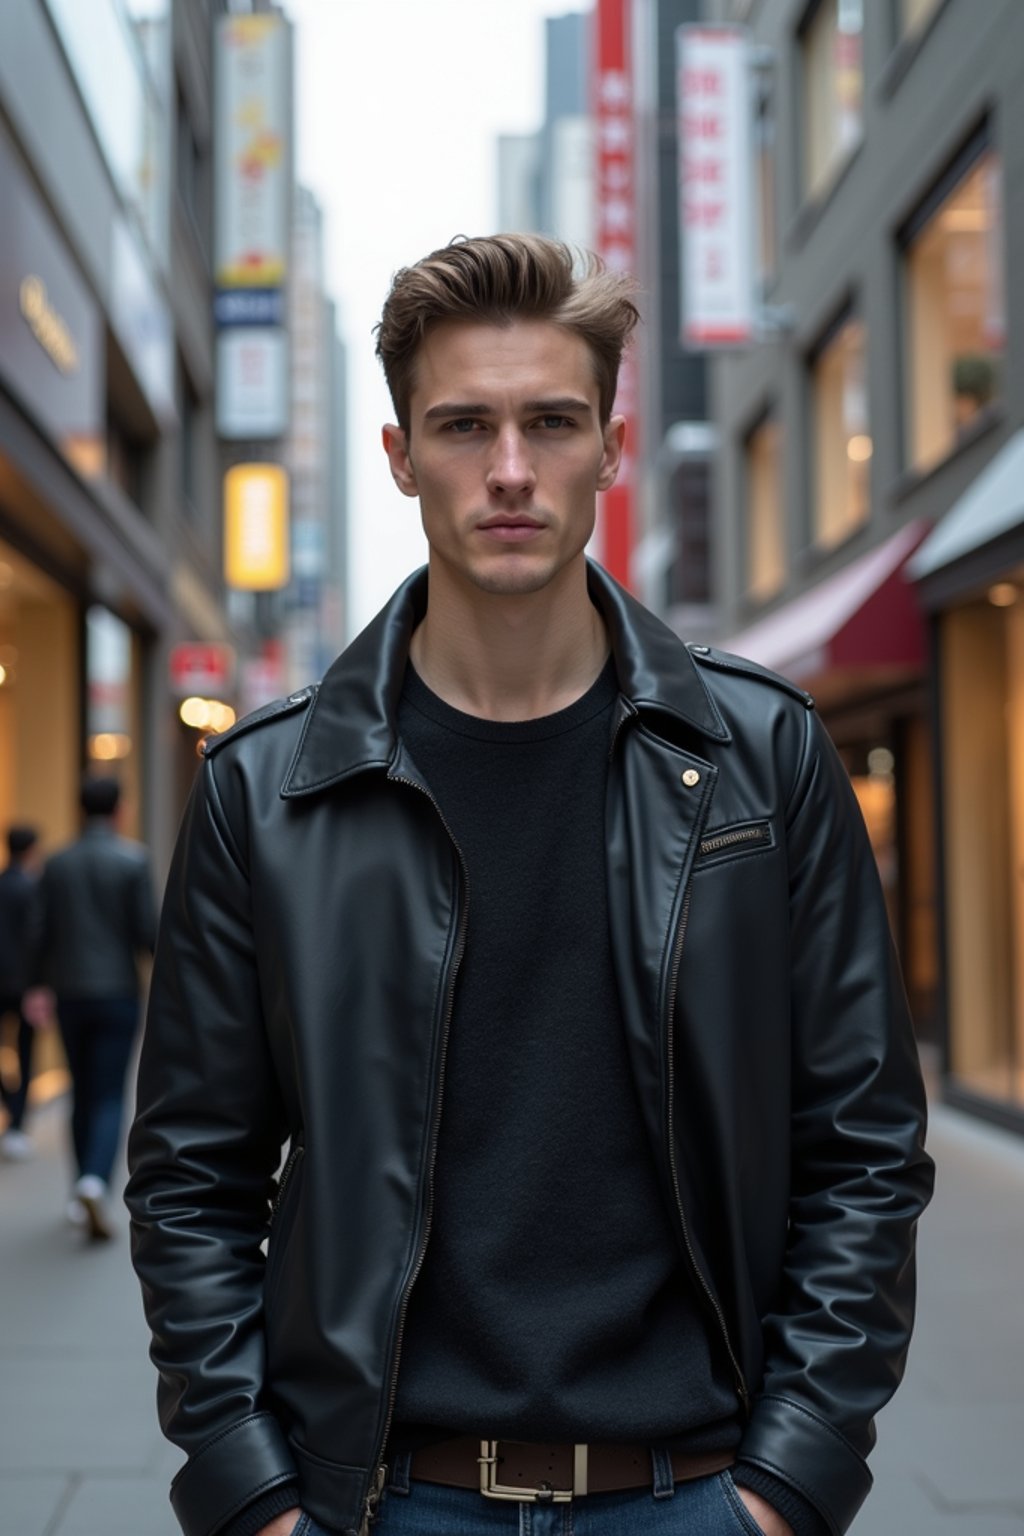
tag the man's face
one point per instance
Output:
(505, 451)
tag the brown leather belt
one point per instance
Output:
(509, 1469)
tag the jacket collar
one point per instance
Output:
(350, 725)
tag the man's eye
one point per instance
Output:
(555, 423)
(462, 425)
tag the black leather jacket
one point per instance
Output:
(308, 952)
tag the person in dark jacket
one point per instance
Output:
(94, 918)
(17, 882)
(554, 952)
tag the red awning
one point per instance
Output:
(861, 627)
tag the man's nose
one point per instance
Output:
(510, 471)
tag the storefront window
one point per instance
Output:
(112, 727)
(842, 442)
(766, 547)
(983, 708)
(956, 313)
(833, 80)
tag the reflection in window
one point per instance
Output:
(833, 90)
(766, 551)
(956, 313)
(842, 440)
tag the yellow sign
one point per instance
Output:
(46, 325)
(256, 527)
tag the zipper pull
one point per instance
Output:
(373, 1499)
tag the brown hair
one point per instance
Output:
(498, 279)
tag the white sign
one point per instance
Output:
(252, 382)
(715, 186)
(252, 150)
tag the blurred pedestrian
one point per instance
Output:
(94, 917)
(17, 882)
(556, 949)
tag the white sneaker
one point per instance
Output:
(90, 1192)
(16, 1147)
(75, 1213)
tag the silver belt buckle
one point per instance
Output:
(543, 1493)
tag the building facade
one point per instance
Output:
(109, 505)
(868, 524)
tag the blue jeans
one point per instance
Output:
(98, 1035)
(707, 1506)
(14, 1099)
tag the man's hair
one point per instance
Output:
(20, 840)
(497, 279)
(99, 795)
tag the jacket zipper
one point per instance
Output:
(282, 1183)
(714, 844)
(376, 1488)
(677, 957)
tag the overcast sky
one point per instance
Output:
(398, 106)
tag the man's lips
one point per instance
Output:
(509, 528)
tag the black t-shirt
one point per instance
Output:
(553, 1303)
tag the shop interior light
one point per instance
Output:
(1004, 594)
(3, 674)
(207, 714)
(109, 746)
(860, 448)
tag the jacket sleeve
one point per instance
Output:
(202, 1154)
(837, 1340)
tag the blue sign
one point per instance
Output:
(248, 306)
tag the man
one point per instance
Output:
(556, 951)
(17, 882)
(95, 918)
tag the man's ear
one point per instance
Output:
(396, 446)
(614, 436)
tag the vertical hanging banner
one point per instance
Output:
(715, 187)
(251, 151)
(616, 244)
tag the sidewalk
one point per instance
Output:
(81, 1454)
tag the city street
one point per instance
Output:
(81, 1454)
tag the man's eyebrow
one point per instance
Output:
(560, 403)
(449, 408)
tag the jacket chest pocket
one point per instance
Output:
(738, 841)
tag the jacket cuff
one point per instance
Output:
(798, 1512)
(799, 1448)
(266, 1508)
(229, 1472)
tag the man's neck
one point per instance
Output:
(510, 657)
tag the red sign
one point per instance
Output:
(616, 244)
(202, 669)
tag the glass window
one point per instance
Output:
(119, 55)
(914, 15)
(956, 326)
(766, 543)
(833, 90)
(983, 743)
(842, 441)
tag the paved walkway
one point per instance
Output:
(81, 1455)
